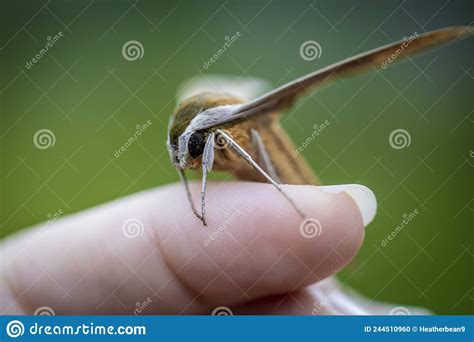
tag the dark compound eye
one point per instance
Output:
(196, 144)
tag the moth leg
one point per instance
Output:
(207, 161)
(182, 176)
(242, 153)
(263, 154)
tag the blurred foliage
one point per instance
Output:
(92, 99)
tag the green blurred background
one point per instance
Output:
(91, 98)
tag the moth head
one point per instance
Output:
(186, 137)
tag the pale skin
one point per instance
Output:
(257, 263)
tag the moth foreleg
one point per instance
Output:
(207, 161)
(242, 153)
(182, 176)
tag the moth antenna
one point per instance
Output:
(242, 153)
(264, 155)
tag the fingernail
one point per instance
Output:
(362, 196)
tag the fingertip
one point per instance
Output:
(254, 232)
(362, 196)
(333, 229)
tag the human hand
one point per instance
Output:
(148, 254)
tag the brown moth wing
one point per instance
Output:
(284, 96)
(259, 113)
(290, 168)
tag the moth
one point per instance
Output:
(221, 131)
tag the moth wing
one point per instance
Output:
(284, 96)
(246, 88)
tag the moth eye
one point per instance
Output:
(196, 144)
